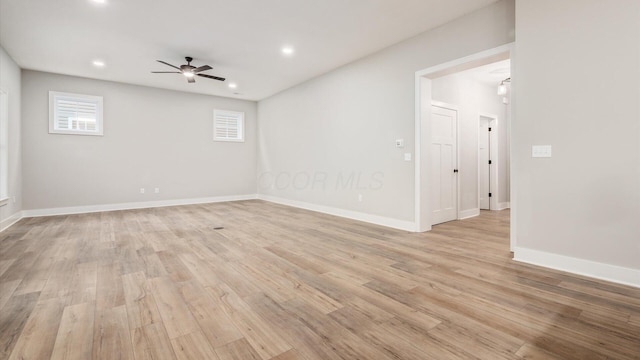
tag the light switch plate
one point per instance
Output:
(407, 156)
(541, 151)
(400, 143)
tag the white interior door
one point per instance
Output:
(444, 158)
(484, 174)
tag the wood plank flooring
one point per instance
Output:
(279, 283)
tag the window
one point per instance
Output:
(75, 114)
(4, 147)
(228, 125)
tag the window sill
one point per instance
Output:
(4, 202)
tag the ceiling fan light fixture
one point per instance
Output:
(189, 71)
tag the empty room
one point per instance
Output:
(313, 180)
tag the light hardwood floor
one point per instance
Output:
(282, 283)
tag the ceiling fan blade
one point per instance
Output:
(212, 77)
(191, 80)
(166, 63)
(202, 68)
(166, 72)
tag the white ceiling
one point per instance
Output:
(241, 39)
(490, 74)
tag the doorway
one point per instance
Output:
(424, 202)
(488, 162)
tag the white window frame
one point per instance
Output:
(240, 116)
(54, 96)
(4, 147)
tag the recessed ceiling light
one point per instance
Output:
(99, 1)
(233, 85)
(98, 63)
(288, 50)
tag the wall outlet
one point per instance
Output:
(141, 190)
(157, 190)
(407, 156)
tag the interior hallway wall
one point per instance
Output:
(472, 99)
(576, 77)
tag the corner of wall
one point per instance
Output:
(11, 82)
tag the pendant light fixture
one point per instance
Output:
(502, 88)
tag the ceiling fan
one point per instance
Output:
(188, 70)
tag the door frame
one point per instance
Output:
(493, 156)
(455, 108)
(423, 99)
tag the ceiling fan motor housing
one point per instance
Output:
(187, 67)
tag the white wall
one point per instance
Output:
(10, 82)
(472, 99)
(577, 82)
(345, 123)
(152, 138)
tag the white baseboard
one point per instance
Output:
(8, 222)
(465, 214)
(132, 205)
(349, 214)
(504, 205)
(613, 273)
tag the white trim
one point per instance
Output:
(8, 222)
(240, 123)
(374, 219)
(511, 116)
(466, 214)
(504, 205)
(417, 158)
(4, 142)
(422, 163)
(349, 214)
(601, 271)
(54, 95)
(445, 105)
(133, 205)
(466, 60)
